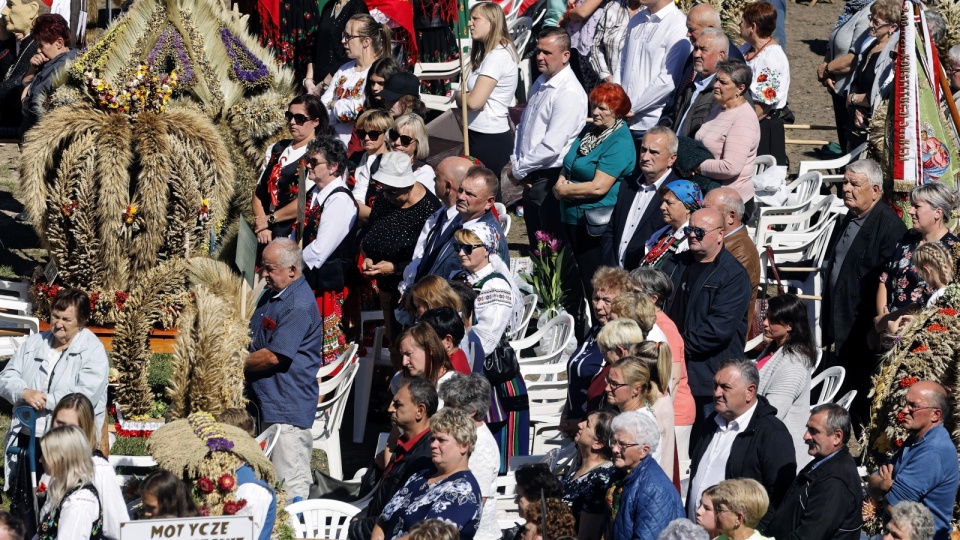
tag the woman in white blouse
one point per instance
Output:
(491, 86)
(771, 76)
(366, 41)
(72, 510)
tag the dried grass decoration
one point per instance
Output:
(924, 350)
(207, 454)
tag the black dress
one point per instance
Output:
(329, 54)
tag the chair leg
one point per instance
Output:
(361, 398)
(334, 461)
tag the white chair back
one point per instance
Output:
(529, 306)
(831, 379)
(268, 439)
(847, 399)
(762, 163)
(832, 165)
(321, 518)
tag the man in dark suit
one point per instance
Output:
(637, 214)
(695, 101)
(860, 247)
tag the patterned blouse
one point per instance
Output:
(587, 493)
(904, 286)
(455, 499)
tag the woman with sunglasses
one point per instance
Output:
(275, 197)
(883, 18)
(499, 307)
(680, 199)
(365, 41)
(395, 222)
(329, 238)
(372, 129)
(409, 135)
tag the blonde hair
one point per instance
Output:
(80, 404)
(637, 307)
(433, 292)
(619, 333)
(636, 374)
(499, 34)
(934, 261)
(456, 423)
(659, 362)
(434, 529)
(611, 278)
(68, 459)
(376, 118)
(744, 496)
(467, 237)
(379, 34)
(416, 125)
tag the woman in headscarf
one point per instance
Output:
(680, 199)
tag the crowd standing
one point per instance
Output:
(636, 147)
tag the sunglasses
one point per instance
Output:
(392, 191)
(404, 139)
(298, 118)
(467, 249)
(698, 232)
(372, 133)
(313, 162)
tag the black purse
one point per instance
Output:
(597, 219)
(501, 365)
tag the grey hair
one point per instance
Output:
(673, 144)
(652, 282)
(715, 36)
(683, 529)
(870, 168)
(422, 392)
(938, 195)
(936, 24)
(916, 517)
(747, 369)
(955, 56)
(419, 129)
(288, 253)
(837, 418)
(642, 426)
(739, 72)
(470, 393)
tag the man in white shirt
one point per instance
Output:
(747, 439)
(637, 214)
(651, 63)
(556, 112)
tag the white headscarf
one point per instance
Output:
(491, 241)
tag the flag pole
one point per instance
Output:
(463, 81)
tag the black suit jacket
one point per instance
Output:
(850, 305)
(703, 103)
(651, 221)
(669, 116)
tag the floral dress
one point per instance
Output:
(587, 493)
(904, 286)
(455, 499)
(298, 30)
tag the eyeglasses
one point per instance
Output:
(879, 22)
(297, 118)
(347, 37)
(698, 232)
(623, 446)
(910, 407)
(467, 249)
(392, 191)
(614, 385)
(313, 162)
(404, 139)
(373, 134)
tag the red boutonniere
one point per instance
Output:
(269, 323)
(42, 488)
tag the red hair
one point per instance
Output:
(613, 96)
(763, 15)
(50, 27)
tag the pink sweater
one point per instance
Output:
(732, 136)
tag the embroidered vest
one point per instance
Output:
(51, 523)
(279, 186)
(332, 274)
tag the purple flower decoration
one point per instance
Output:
(247, 68)
(548, 241)
(217, 444)
(171, 39)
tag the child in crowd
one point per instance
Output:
(163, 495)
(934, 265)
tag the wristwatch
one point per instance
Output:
(271, 219)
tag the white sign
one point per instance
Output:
(199, 528)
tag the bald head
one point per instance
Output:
(450, 172)
(706, 234)
(701, 16)
(728, 202)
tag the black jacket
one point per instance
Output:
(763, 451)
(822, 504)
(650, 222)
(385, 487)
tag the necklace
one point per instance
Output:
(751, 55)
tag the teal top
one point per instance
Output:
(615, 156)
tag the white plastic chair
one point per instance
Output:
(762, 163)
(774, 220)
(546, 404)
(322, 518)
(832, 380)
(832, 165)
(529, 306)
(376, 356)
(329, 415)
(505, 220)
(345, 356)
(521, 31)
(268, 439)
(15, 330)
(562, 327)
(847, 399)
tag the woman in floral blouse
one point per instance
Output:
(771, 76)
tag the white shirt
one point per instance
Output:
(427, 178)
(698, 87)
(362, 177)
(77, 514)
(258, 500)
(410, 272)
(501, 66)
(485, 466)
(554, 116)
(348, 83)
(641, 201)
(652, 62)
(340, 212)
(713, 464)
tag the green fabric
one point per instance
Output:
(615, 156)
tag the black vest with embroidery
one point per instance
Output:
(50, 525)
(288, 187)
(333, 274)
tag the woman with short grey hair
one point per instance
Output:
(910, 521)
(683, 529)
(471, 394)
(901, 288)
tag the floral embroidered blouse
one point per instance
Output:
(771, 75)
(904, 286)
(455, 499)
(344, 99)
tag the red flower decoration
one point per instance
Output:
(204, 511)
(936, 328)
(769, 93)
(920, 349)
(52, 290)
(94, 297)
(948, 311)
(762, 77)
(901, 417)
(42, 488)
(269, 323)
(205, 484)
(907, 382)
(230, 507)
(898, 442)
(226, 482)
(119, 299)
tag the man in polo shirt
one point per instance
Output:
(924, 470)
(410, 411)
(281, 368)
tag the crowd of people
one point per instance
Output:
(636, 147)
